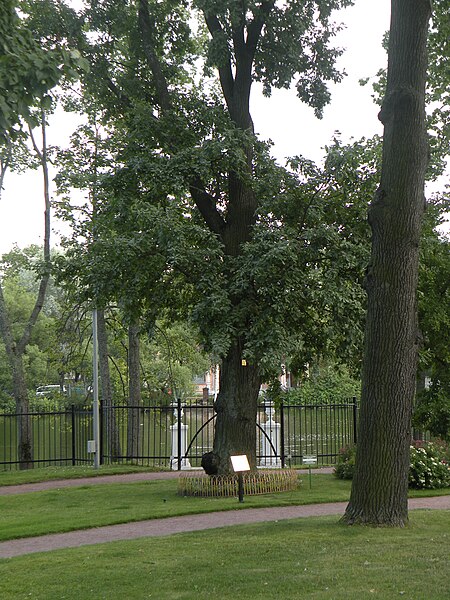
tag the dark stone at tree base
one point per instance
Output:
(210, 463)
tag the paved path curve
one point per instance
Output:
(172, 525)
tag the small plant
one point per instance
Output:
(429, 466)
(346, 462)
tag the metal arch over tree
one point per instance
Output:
(380, 486)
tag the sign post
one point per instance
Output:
(309, 459)
(240, 464)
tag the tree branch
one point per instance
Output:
(146, 27)
(207, 207)
(225, 72)
(42, 155)
(4, 162)
(255, 27)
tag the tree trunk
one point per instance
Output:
(134, 399)
(380, 486)
(24, 429)
(16, 350)
(110, 422)
(236, 406)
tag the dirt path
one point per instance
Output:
(172, 525)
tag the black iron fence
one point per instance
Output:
(177, 436)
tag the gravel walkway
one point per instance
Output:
(172, 525)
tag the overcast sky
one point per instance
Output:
(290, 125)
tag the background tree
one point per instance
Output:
(432, 410)
(380, 485)
(27, 73)
(197, 147)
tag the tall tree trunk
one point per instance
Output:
(15, 359)
(134, 397)
(110, 421)
(240, 381)
(16, 350)
(236, 406)
(380, 486)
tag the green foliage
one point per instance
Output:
(429, 468)
(143, 171)
(429, 465)
(172, 358)
(345, 466)
(27, 70)
(432, 411)
(438, 95)
(326, 384)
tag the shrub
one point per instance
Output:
(346, 462)
(429, 466)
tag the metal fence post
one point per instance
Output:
(283, 455)
(101, 424)
(74, 445)
(179, 418)
(355, 420)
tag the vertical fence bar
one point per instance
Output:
(282, 449)
(355, 420)
(74, 446)
(179, 417)
(101, 425)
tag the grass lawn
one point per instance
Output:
(86, 506)
(52, 473)
(314, 558)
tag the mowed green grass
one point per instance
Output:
(54, 473)
(314, 558)
(85, 506)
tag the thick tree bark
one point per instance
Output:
(110, 422)
(236, 405)
(134, 399)
(380, 486)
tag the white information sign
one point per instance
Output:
(309, 459)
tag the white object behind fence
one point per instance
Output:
(270, 440)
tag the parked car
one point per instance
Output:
(49, 390)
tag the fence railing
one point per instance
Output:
(177, 436)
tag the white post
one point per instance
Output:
(95, 406)
(179, 437)
(270, 450)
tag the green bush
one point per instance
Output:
(346, 462)
(429, 467)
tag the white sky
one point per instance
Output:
(282, 118)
